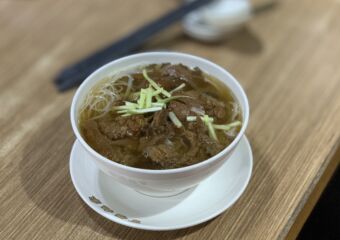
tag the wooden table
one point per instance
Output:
(287, 59)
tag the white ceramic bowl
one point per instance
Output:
(160, 182)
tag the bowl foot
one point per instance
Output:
(186, 191)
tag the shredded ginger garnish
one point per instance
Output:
(150, 99)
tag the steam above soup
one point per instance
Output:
(160, 116)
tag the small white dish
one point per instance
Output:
(125, 206)
(217, 20)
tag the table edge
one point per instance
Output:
(309, 200)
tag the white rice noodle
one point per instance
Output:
(129, 85)
(100, 100)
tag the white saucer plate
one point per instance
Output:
(125, 206)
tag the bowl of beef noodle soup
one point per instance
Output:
(160, 122)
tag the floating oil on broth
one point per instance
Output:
(160, 116)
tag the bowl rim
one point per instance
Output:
(159, 171)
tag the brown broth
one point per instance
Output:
(151, 140)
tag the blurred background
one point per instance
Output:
(264, 44)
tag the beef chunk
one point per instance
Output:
(150, 141)
(214, 107)
(173, 152)
(181, 110)
(171, 76)
(168, 83)
(193, 103)
(182, 72)
(159, 119)
(102, 144)
(120, 127)
(190, 139)
(163, 154)
(139, 82)
(96, 138)
(210, 146)
(210, 104)
(178, 71)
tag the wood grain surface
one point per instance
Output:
(287, 59)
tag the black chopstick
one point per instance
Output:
(75, 74)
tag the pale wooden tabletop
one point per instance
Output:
(287, 59)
